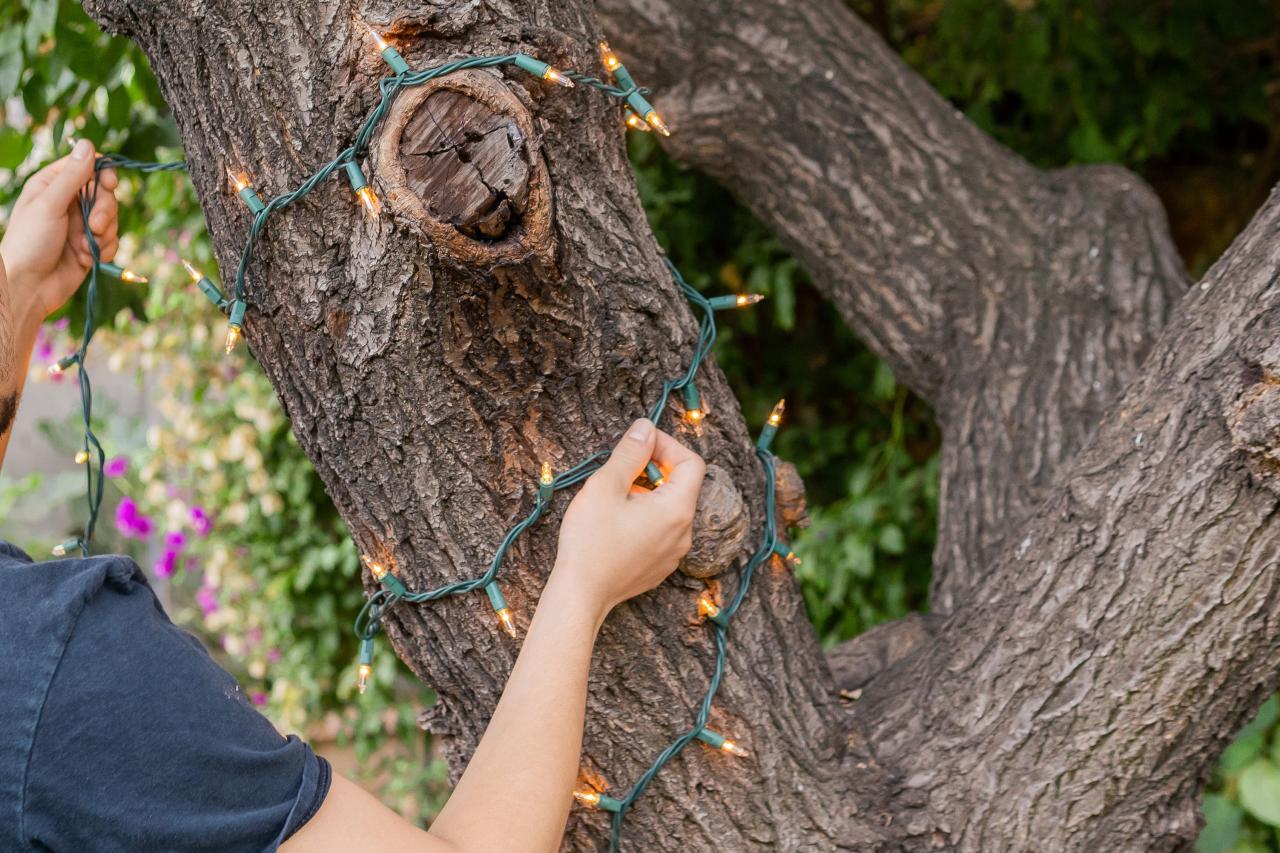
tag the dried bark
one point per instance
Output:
(1111, 619)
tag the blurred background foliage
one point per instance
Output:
(1181, 91)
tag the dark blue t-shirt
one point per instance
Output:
(119, 732)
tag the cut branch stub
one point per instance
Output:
(1254, 421)
(719, 526)
(458, 157)
(792, 510)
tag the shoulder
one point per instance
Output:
(40, 606)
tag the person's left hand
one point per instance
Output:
(44, 249)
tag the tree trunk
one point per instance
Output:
(1112, 619)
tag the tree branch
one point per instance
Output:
(1134, 624)
(1018, 302)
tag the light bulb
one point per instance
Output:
(238, 180)
(775, 417)
(745, 299)
(82, 456)
(507, 620)
(61, 549)
(55, 369)
(733, 749)
(720, 742)
(599, 801)
(588, 798)
(634, 121)
(555, 76)
(707, 607)
(372, 207)
(608, 57)
(195, 274)
(233, 338)
(132, 277)
(378, 570)
(382, 43)
(362, 677)
(654, 473)
(658, 124)
(546, 478)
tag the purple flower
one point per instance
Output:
(175, 541)
(208, 601)
(116, 466)
(273, 655)
(258, 698)
(253, 636)
(166, 565)
(131, 523)
(200, 521)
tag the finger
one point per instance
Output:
(107, 251)
(103, 218)
(72, 172)
(108, 180)
(629, 457)
(683, 468)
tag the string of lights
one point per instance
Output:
(637, 114)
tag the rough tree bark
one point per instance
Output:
(1112, 619)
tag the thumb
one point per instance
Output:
(73, 172)
(630, 456)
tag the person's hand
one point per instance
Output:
(45, 250)
(619, 540)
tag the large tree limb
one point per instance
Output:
(1018, 302)
(1134, 624)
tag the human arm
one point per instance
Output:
(616, 542)
(43, 258)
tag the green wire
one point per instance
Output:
(368, 621)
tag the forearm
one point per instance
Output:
(20, 320)
(516, 792)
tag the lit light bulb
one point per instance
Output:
(634, 121)
(707, 607)
(390, 55)
(235, 325)
(382, 43)
(738, 300)
(238, 179)
(500, 607)
(546, 482)
(195, 274)
(599, 801)
(654, 473)
(720, 742)
(775, 417)
(658, 124)
(365, 664)
(82, 456)
(207, 287)
(121, 273)
(508, 621)
(372, 206)
(785, 552)
(55, 369)
(362, 677)
(693, 411)
(245, 190)
(770, 428)
(608, 57)
(378, 570)
(555, 76)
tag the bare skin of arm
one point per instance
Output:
(43, 258)
(616, 542)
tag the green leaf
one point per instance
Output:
(1221, 825)
(10, 62)
(14, 147)
(41, 16)
(1260, 791)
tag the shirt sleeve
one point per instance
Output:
(144, 743)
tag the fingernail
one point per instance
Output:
(640, 429)
(82, 149)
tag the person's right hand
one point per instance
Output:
(618, 540)
(44, 249)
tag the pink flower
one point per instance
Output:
(116, 466)
(166, 565)
(273, 655)
(258, 698)
(200, 521)
(131, 523)
(207, 598)
(175, 540)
